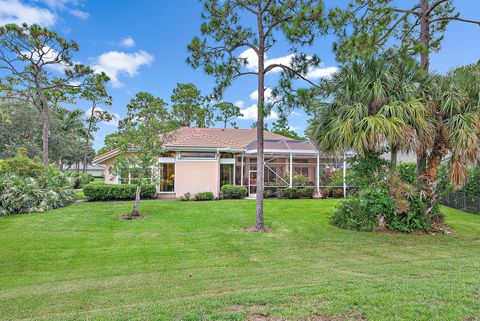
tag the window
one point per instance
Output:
(226, 155)
(168, 154)
(203, 155)
(167, 177)
(132, 176)
(226, 174)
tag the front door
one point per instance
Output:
(252, 182)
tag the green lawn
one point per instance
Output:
(194, 261)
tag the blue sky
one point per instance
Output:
(142, 46)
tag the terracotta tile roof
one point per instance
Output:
(214, 137)
(106, 155)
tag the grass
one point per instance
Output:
(194, 261)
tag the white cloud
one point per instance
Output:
(68, 5)
(80, 14)
(14, 11)
(116, 63)
(250, 113)
(267, 94)
(321, 72)
(127, 42)
(113, 122)
(239, 103)
(314, 74)
(252, 60)
(48, 54)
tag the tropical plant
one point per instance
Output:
(454, 104)
(374, 105)
(24, 194)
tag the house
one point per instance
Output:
(93, 169)
(204, 159)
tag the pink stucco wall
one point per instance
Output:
(195, 176)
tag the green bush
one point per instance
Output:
(307, 192)
(78, 180)
(300, 180)
(22, 166)
(363, 213)
(19, 194)
(407, 172)
(289, 192)
(325, 193)
(413, 220)
(203, 196)
(106, 192)
(295, 192)
(338, 193)
(233, 191)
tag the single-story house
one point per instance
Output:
(204, 159)
(93, 169)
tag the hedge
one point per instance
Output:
(107, 192)
(293, 192)
(233, 191)
(203, 196)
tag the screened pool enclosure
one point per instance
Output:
(287, 163)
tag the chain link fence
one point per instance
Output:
(461, 201)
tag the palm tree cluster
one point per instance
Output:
(383, 103)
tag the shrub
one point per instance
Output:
(338, 193)
(407, 172)
(365, 212)
(300, 180)
(186, 197)
(233, 191)
(307, 192)
(294, 192)
(22, 166)
(78, 180)
(204, 196)
(325, 193)
(106, 192)
(415, 219)
(20, 194)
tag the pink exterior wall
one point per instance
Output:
(110, 178)
(195, 176)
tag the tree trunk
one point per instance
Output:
(393, 158)
(259, 219)
(425, 61)
(87, 140)
(136, 205)
(45, 134)
(429, 179)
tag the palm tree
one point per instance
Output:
(454, 104)
(373, 106)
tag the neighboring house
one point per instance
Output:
(204, 159)
(95, 170)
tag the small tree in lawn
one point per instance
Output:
(94, 91)
(189, 107)
(254, 26)
(140, 132)
(227, 112)
(29, 56)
